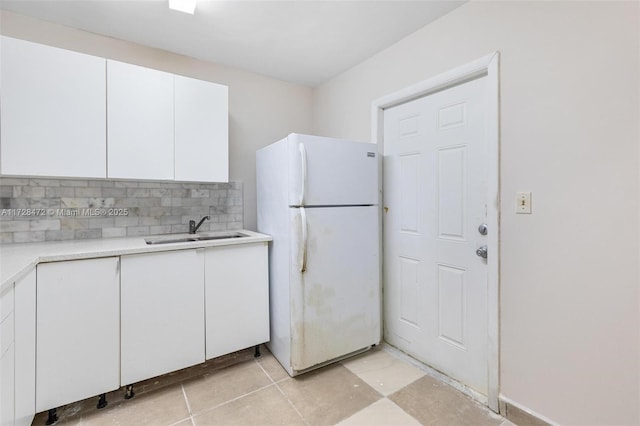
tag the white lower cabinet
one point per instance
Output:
(78, 330)
(237, 297)
(25, 349)
(7, 383)
(162, 313)
(18, 352)
(71, 330)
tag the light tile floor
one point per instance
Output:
(375, 388)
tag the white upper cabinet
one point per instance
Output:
(67, 114)
(140, 122)
(201, 131)
(53, 111)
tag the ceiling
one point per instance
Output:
(301, 41)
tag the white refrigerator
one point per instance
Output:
(318, 198)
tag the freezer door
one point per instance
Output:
(331, 172)
(335, 283)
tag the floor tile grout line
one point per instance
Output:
(478, 398)
(472, 396)
(206, 410)
(179, 421)
(282, 393)
(282, 380)
(364, 408)
(265, 371)
(186, 399)
(400, 408)
(292, 404)
(229, 401)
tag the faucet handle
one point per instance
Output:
(193, 228)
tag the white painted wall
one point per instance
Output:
(262, 110)
(569, 133)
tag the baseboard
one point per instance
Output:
(521, 415)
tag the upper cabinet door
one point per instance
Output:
(53, 111)
(139, 122)
(201, 131)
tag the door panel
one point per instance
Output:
(435, 189)
(451, 193)
(336, 300)
(409, 185)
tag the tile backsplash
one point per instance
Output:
(62, 209)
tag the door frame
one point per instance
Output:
(486, 66)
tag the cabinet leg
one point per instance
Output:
(257, 352)
(102, 401)
(129, 393)
(53, 416)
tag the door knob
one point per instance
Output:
(482, 229)
(482, 252)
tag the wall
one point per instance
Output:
(569, 133)
(262, 110)
(65, 209)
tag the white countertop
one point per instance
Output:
(18, 259)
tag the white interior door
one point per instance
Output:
(435, 198)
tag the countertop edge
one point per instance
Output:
(24, 257)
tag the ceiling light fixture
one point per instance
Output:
(186, 6)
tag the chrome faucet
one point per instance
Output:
(192, 224)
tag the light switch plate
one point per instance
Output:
(523, 202)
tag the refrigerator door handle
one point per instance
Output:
(303, 158)
(303, 216)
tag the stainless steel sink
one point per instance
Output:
(172, 239)
(168, 240)
(219, 237)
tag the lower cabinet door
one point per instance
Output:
(78, 330)
(25, 349)
(237, 295)
(162, 313)
(7, 362)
